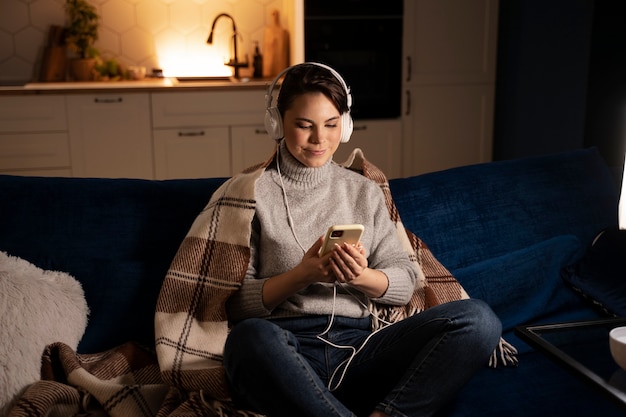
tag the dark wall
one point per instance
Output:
(542, 72)
(606, 98)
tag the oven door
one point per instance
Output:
(367, 52)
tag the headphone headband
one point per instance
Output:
(273, 119)
(270, 89)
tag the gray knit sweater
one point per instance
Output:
(318, 198)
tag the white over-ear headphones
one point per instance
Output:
(274, 122)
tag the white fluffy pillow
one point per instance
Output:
(37, 308)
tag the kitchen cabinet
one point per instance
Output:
(110, 135)
(448, 83)
(250, 145)
(192, 135)
(33, 136)
(208, 133)
(380, 141)
(191, 152)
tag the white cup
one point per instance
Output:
(617, 345)
(136, 72)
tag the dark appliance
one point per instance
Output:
(362, 40)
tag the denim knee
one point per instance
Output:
(251, 335)
(483, 324)
(246, 343)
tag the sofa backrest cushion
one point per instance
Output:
(474, 213)
(116, 236)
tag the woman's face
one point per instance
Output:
(312, 127)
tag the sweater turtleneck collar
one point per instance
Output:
(295, 172)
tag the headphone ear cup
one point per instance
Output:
(347, 126)
(273, 123)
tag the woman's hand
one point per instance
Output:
(313, 268)
(349, 265)
(348, 262)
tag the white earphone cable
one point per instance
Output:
(282, 186)
(343, 366)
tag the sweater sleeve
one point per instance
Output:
(388, 256)
(247, 302)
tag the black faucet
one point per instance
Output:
(234, 62)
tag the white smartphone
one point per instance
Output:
(340, 233)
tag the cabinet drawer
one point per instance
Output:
(34, 150)
(202, 152)
(110, 135)
(207, 108)
(32, 114)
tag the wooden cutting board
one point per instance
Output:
(276, 47)
(54, 60)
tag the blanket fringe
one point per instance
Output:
(224, 410)
(505, 354)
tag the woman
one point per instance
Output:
(301, 342)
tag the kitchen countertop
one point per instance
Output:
(145, 85)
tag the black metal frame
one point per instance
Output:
(532, 334)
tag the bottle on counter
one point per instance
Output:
(257, 62)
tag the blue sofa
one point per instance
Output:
(504, 229)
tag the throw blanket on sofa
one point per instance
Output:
(191, 324)
(122, 382)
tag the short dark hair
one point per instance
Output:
(311, 78)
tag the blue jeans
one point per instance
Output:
(409, 369)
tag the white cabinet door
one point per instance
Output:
(33, 136)
(448, 83)
(451, 126)
(250, 145)
(110, 135)
(201, 152)
(380, 141)
(32, 113)
(450, 41)
(34, 151)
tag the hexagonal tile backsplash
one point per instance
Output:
(167, 34)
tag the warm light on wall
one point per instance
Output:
(180, 58)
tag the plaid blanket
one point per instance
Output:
(122, 382)
(185, 377)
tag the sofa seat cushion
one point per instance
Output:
(601, 274)
(537, 387)
(37, 308)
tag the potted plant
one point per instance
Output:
(81, 33)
